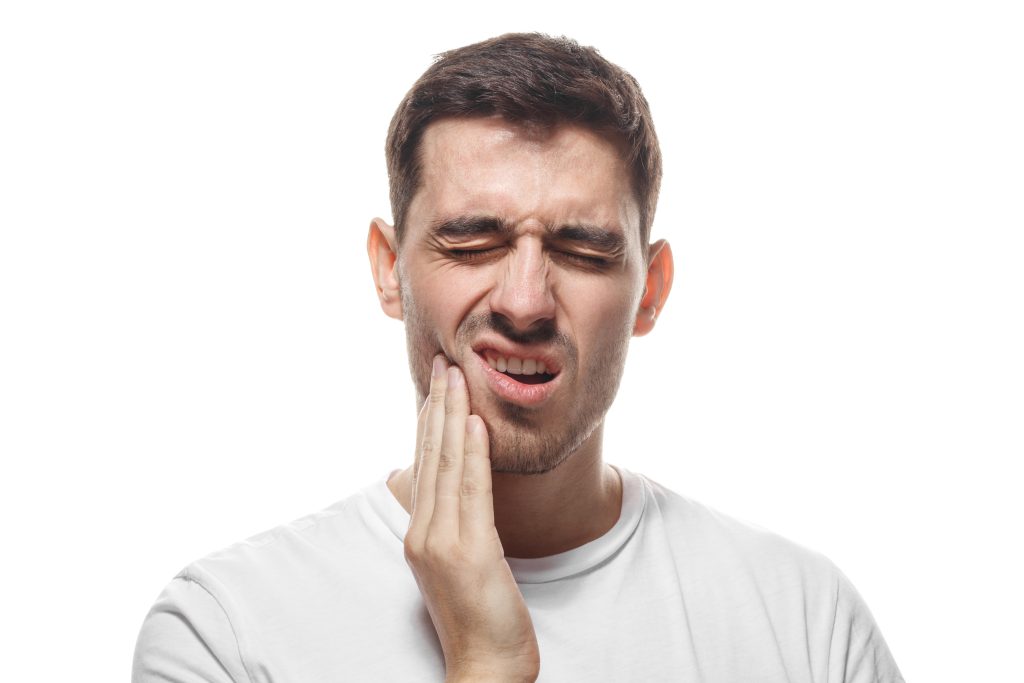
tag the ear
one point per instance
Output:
(382, 249)
(660, 268)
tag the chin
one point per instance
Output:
(523, 466)
(519, 445)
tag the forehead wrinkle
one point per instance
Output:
(518, 176)
(493, 187)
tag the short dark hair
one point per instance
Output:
(526, 78)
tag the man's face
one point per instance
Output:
(522, 250)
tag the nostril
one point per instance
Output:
(540, 331)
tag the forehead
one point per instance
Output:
(560, 174)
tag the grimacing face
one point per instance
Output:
(521, 262)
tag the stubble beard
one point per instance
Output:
(524, 441)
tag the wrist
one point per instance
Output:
(488, 678)
(488, 674)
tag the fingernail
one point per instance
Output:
(454, 376)
(438, 370)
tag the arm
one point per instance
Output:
(453, 548)
(187, 638)
(858, 653)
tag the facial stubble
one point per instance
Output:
(523, 440)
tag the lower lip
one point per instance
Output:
(517, 392)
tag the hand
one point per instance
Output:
(453, 547)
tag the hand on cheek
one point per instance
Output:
(452, 545)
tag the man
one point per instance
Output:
(524, 177)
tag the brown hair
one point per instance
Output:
(528, 78)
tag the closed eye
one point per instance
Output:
(583, 259)
(474, 254)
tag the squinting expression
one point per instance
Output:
(521, 262)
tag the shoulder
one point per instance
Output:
(210, 615)
(741, 568)
(717, 544)
(704, 523)
(187, 628)
(287, 555)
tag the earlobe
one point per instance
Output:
(382, 249)
(660, 270)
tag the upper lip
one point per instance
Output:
(505, 348)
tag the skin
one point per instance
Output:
(494, 476)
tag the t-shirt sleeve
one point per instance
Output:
(187, 638)
(858, 652)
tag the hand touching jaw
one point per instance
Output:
(452, 546)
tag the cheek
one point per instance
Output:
(601, 320)
(451, 292)
(435, 301)
(421, 324)
(599, 308)
(423, 330)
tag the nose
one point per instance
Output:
(522, 293)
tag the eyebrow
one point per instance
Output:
(463, 227)
(591, 235)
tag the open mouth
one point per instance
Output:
(522, 370)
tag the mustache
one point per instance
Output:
(542, 332)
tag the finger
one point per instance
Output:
(420, 422)
(477, 500)
(449, 466)
(429, 448)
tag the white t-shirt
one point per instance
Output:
(675, 591)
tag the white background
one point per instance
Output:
(191, 350)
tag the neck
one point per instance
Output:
(537, 515)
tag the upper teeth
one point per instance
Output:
(516, 366)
